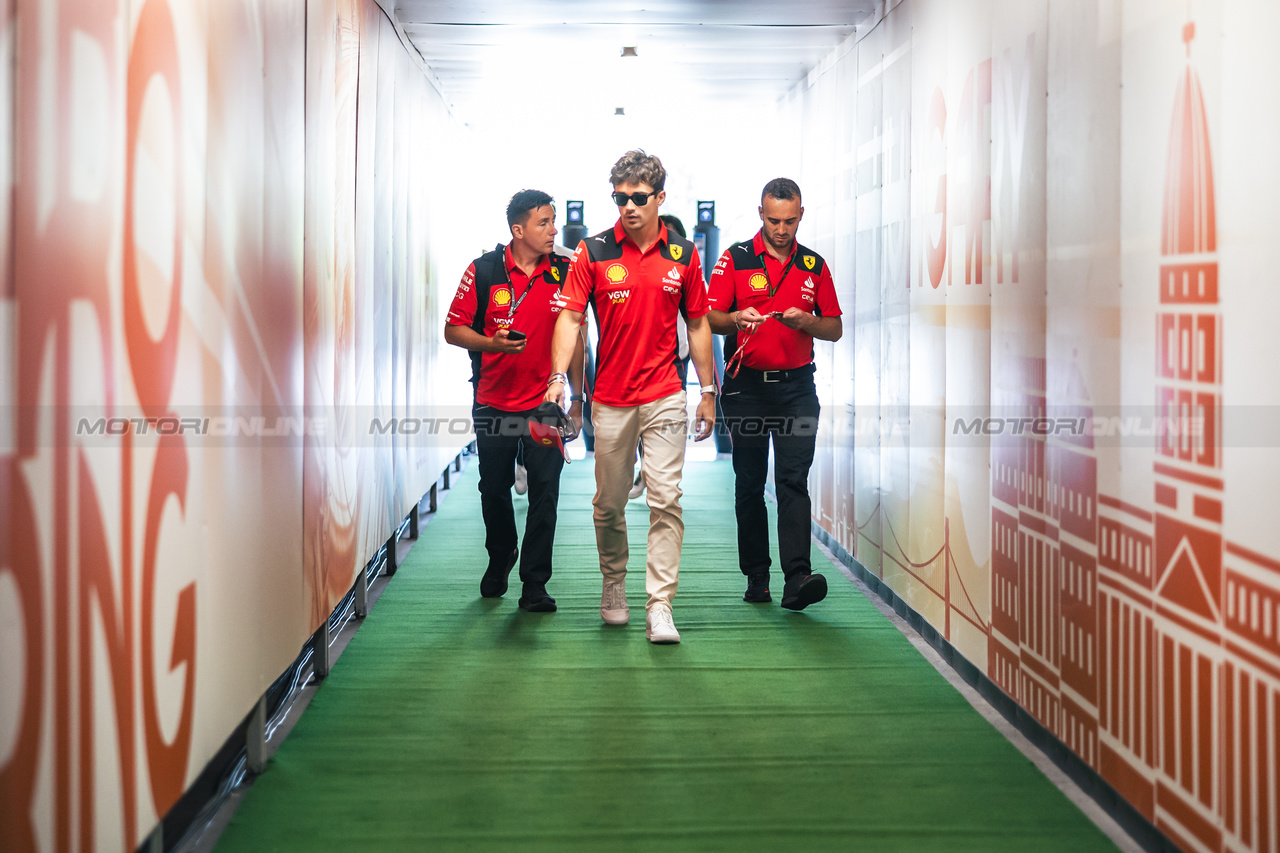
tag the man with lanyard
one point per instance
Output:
(639, 276)
(504, 312)
(771, 297)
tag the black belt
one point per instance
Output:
(794, 373)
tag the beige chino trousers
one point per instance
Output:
(662, 424)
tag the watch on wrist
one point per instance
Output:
(709, 389)
(575, 398)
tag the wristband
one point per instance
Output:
(562, 378)
(575, 398)
(709, 389)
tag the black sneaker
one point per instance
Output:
(802, 590)
(536, 600)
(494, 582)
(757, 589)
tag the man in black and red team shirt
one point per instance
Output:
(509, 336)
(639, 276)
(771, 297)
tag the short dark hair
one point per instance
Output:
(637, 167)
(525, 202)
(673, 223)
(783, 189)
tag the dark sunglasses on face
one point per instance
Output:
(641, 199)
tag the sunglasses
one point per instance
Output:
(641, 199)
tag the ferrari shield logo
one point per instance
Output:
(809, 261)
(555, 273)
(676, 252)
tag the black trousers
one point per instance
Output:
(786, 413)
(499, 436)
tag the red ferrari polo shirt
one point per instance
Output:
(743, 278)
(513, 382)
(636, 296)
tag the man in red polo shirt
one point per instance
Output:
(504, 312)
(639, 276)
(771, 297)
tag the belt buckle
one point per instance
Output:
(764, 375)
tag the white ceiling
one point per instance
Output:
(490, 54)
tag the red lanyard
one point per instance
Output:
(735, 361)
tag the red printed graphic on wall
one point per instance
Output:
(1144, 639)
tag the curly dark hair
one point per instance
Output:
(637, 167)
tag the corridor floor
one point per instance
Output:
(453, 722)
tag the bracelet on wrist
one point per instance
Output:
(575, 398)
(562, 378)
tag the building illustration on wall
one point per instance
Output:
(1143, 639)
(1043, 643)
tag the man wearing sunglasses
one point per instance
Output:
(771, 297)
(504, 312)
(639, 277)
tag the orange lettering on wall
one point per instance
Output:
(973, 137)
(167, 760)
(152, 363)
(20, 556)
(117, 623)
(936, 253)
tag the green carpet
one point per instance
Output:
(454, 722)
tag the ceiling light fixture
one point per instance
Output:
(629, 51)
(619, 111)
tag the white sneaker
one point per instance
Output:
(613, 603)
(522, 480)
(637, 488)
(660, 628)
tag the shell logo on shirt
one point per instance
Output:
(502, 297)
(758, 282)
(616, 274)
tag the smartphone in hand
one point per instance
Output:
(513, 335)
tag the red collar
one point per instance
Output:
(544, 263)
(620, 234)
(758, 246)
